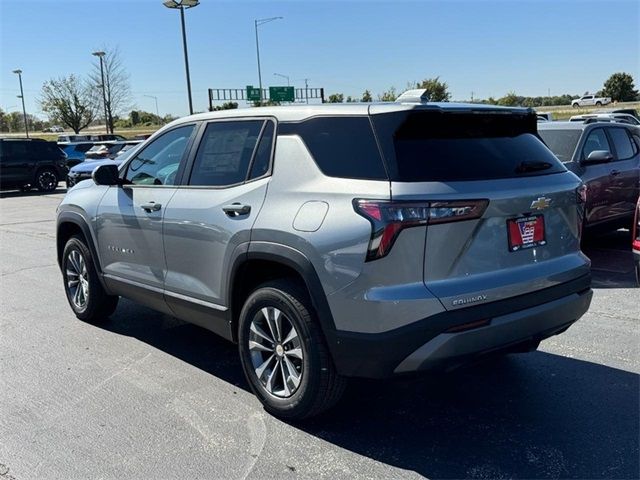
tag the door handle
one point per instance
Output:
(236, 209)
(151, 206)
(613, 173)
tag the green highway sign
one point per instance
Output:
(281, 94)
(253, 94)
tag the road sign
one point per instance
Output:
(253, 94)
(281, 94)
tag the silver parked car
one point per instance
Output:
(336, 241)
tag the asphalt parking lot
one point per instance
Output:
(147, 396)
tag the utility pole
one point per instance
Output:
(256, 24)
(104, 95)
(24, 110)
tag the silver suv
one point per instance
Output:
(336, 241)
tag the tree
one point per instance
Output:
(225, 106)
(620, 87)
(336, 98)
(388, 96)
(366, 96)
(116, 84)
(438, 91)
(510, 100)
(70, 101)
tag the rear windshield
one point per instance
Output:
(448, 146)
(561, 142)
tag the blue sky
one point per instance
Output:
(488, 47)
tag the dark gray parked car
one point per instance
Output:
(336, 241)
(606, 157)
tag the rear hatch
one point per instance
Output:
(504, 213)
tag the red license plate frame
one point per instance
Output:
(526, 232)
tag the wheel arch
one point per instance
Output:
(72, 223)
(266, 261)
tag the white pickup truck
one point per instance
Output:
(588, 100)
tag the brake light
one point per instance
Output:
(636, 229)
(388, 219)
(581, 200)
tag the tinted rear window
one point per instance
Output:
(341, 146)
(561, 142)
(452, 146)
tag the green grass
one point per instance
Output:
(125, 132)
(564, 112)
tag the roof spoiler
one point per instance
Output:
(418, 95)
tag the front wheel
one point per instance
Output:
(575, 105)
(85, 293)
(283, 353)
(46, 180)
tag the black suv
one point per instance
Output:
(26, 163)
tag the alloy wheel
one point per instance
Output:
(276, 352)
(77, 279)
(47, 180)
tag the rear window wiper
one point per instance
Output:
(526, 167)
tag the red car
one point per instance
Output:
(636, 241)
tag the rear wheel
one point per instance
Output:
(85, 293)
(46, 180)
(598, 104)
(283, 353)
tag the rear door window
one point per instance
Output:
(225, 153)
(596, 140)
(262, 160)
(622, 142)
(437, 146)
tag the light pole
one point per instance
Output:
(24, 110)
(157, 111)
(257, 23)
(181, 5)
(100, 55)
(283, 76)
(306, 87)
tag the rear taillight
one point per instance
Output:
(636, 229)
(581, 200)
(388, 219)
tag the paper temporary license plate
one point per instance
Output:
(526, 232)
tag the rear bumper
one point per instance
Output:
(426, 344)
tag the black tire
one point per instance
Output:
(98, 305)
(320, 387)
(598, 104)
(638, 274)
(575, 105)
(46, 180)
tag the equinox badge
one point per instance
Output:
(541, 203)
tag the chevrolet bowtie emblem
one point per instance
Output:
(541, 203)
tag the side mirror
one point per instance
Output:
(106, 175)
(598, 156)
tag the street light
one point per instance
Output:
(181, 5)
(100, 55)
(21, 96)
(157, 111)
(257, 23)
(283, 76)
